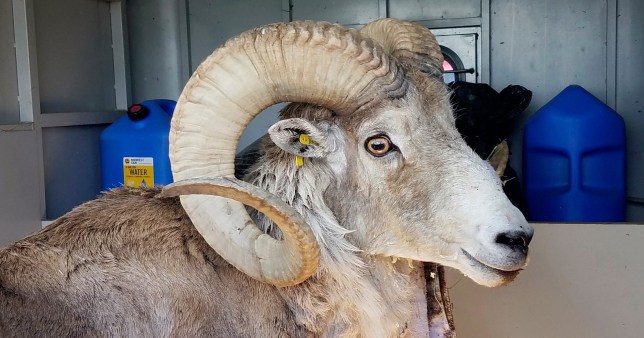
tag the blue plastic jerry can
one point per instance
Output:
(574, 160)
(134, 149)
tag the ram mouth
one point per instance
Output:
(475, 263)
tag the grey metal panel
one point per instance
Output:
(630, 88)
(72, 167)
(611, 53)
(341, 11)
(545, 46)
(26, 61)
(583, 280)
(155, 40)
(120, 55)
(635, 212)
(19, 187)
(214, 22)
(9, 111)
(485, 41)
(434, 9)
(75, 66)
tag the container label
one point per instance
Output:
(138, 171)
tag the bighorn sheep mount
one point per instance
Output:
(364, 179)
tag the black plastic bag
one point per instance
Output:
(485, 118)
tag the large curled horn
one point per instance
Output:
(411, 43)
(318, 63)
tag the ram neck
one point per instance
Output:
(351, 295)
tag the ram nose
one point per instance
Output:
(508, 248)
(516, 240)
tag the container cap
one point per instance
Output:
(137, 112)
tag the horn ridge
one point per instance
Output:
(411, 43)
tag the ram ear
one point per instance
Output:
(300, 137)
(499, 157)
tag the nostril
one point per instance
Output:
(514, 240)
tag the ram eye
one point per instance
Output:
(379, 145)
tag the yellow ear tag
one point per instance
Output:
(306, 140)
